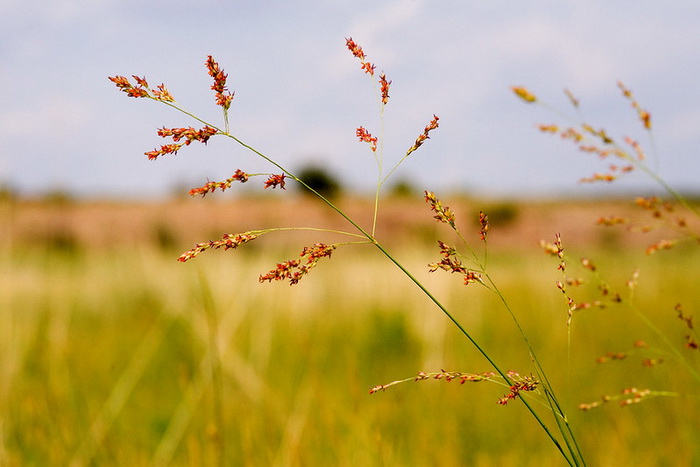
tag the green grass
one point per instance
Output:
(107, 359)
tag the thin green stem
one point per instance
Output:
(191, 115)
(380, 167)
(312, 229)
(216, 377)
(376, 196)
(393, 169)
(226, 125)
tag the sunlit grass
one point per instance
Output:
(105, 360)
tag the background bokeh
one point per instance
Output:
(113, 353)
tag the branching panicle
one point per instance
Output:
(293, 270)
(227, 241)
(223, 96)
(442, 213)
(424, 136)
(210, 187)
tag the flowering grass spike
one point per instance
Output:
(141, 89)
(524, 94)
(210, 187)
(359, 53)
(293, 270)
(366, 137)
(424, 136)
(442, 213)
(223, 96)
(228, 241)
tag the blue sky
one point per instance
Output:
(300, 94)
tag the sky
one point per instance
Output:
(300, 95)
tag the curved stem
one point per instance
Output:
(312, 229)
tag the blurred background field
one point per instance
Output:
(113, 353)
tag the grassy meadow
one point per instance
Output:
(113, 353)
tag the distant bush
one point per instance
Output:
(8, 193)
(502, 214)
(58, 197)
(404, 188)
(321, 180)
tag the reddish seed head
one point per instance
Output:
(384, 88)
(178, 134)
(162, 94)
(484, 223)
(240, 176)
(471, 277)
(359, 53)
(164, 149)
(368, 67)
(223, 97)
(442, 213)
(140, 90)
(293, 270)
(121, 81)
(367, 137)
(210, 187)
(274, 181)
(188, 134)
(228, 241)
(141, 81)
(354, 48)
(424, 136)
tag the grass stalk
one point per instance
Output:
(218, 408)
(120, 393)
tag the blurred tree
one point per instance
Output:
(403, 188)
(8, 193)
(58, 197)
(502, 214)
(321, 180)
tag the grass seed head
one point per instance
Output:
(524, 94)
(227, 241)
(223, 96)
(442, 213)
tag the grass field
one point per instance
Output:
(116, 354)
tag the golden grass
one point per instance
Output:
(106, 359)
(108, 356)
